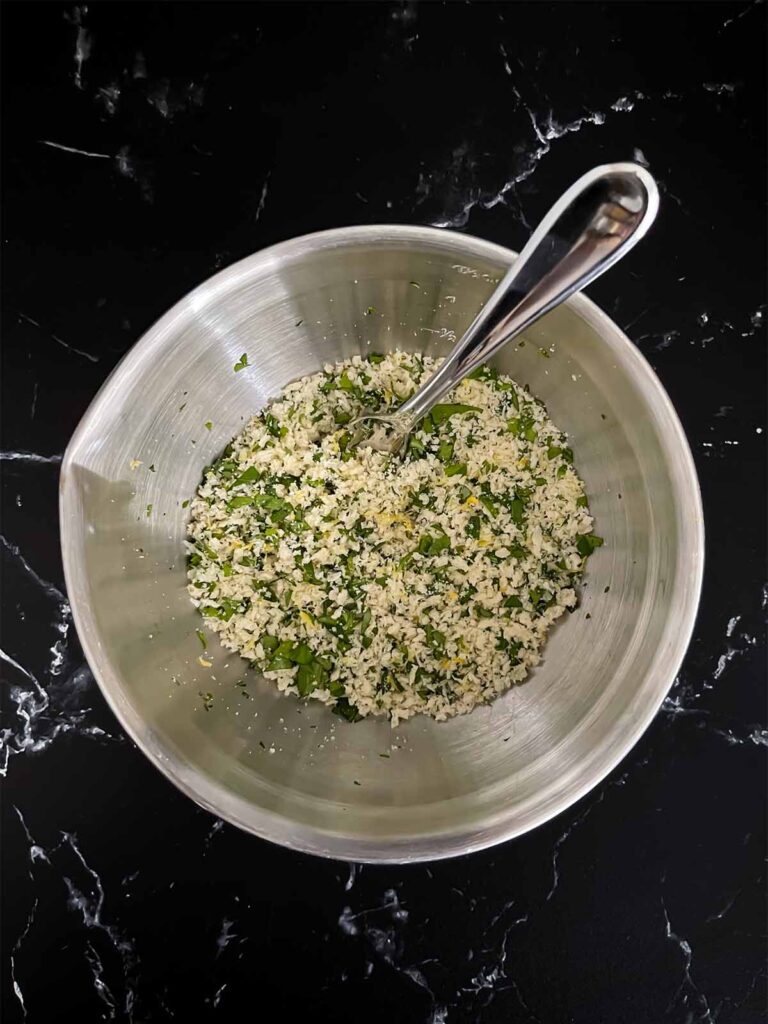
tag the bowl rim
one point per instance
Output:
(271, 825)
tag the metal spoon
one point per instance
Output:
(596, 222)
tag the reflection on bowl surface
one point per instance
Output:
(291, 772)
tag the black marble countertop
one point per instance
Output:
(145, 146)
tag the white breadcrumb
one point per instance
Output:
(386, 586)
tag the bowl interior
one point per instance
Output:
(291, 771)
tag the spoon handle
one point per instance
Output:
(591, 226)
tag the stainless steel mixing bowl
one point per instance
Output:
(292, 772)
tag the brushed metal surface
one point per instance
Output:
(448, 787)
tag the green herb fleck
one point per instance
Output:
(473, 527)
(346, 710)
(430, 545)
(273, 425)
(441, 413)
(517, 511)
(249, 476)
(238, 501)
(587, 543)
(308, 574)
(490, 504)
(487, 373)
(434, 637)
(522, 426)
(241, 363)
(308, 677)
(445, 451)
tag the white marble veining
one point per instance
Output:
(452, 937)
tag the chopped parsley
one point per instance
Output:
(442, 412)
(248, 476)
(587, 543)
(346, 710)
(432, 545)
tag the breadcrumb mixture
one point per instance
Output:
(381, 586)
